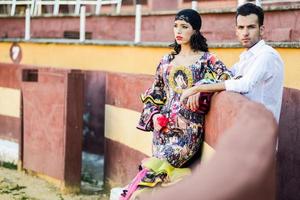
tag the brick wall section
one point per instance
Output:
(225, 107)
(10, 127)
(288, 159)
(216, 27)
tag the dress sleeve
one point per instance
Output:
(218, 67)
(153, 99)
(215, 71)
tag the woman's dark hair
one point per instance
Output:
(250, 8)
(197, 42)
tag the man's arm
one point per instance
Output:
(263, 68)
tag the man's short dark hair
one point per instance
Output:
(250, 8)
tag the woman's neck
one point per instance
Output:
(186, 50)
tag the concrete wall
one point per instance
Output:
(41, 122)
(123, 140)
(52, 118)
(129, 75)
(288, 157)
(10, 113)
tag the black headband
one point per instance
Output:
(190, 16)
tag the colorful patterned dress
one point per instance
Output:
(183, 130)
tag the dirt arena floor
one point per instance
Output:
(15, 185)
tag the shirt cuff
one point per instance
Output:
(230, 85)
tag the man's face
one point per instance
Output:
(248, 30)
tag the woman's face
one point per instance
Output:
(183, 32)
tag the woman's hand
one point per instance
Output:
(193, 102)
(189, 92)
(156, 125)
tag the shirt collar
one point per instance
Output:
(257, 47)
(253, 50)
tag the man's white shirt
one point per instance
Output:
(261, 71)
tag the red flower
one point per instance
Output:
(162, 121)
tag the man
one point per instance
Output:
(259, 73)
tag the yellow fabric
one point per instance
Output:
(150, 99)
(160, 166)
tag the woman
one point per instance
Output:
(178, 130)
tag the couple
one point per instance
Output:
(176, 104)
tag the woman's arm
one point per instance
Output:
(153, 99)
(220, 71)
(214, 87)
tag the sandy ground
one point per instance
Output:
(16, 185)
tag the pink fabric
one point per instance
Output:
(132, 187)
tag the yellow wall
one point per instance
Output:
(128, 59)
(10, 100)
(120, 127)
(88, 57)
(4, 52)
(291, 58)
